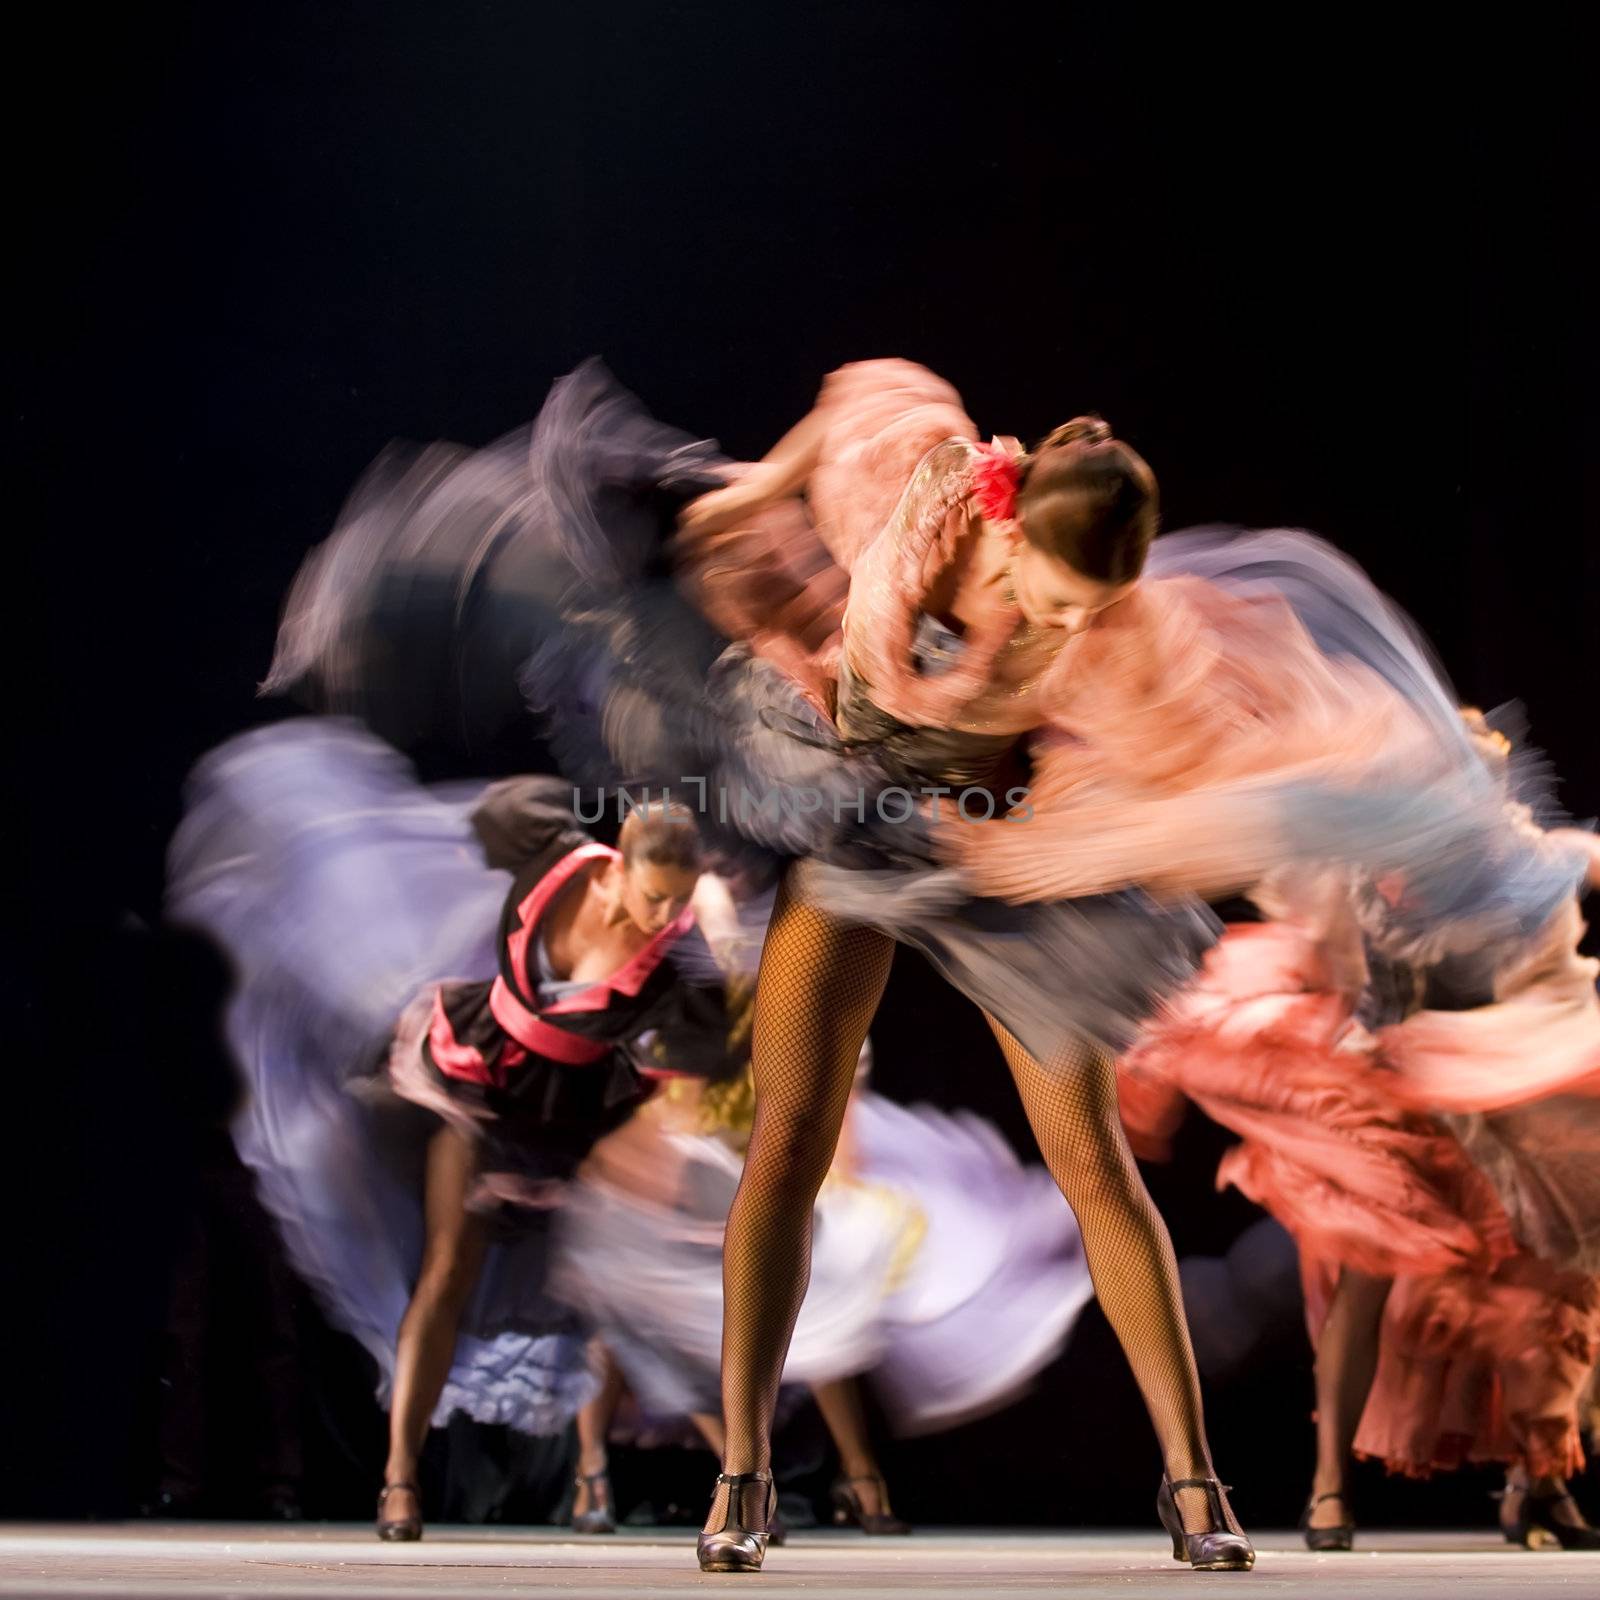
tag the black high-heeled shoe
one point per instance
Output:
(1514, 1529)
(847, 1508)
(1219, 1548)
(601, 1517)
(737, 1546)
(1536, 1522)
(401, 1530)
(1337, 1536)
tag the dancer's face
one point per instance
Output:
(652, 895)
(1050, 594)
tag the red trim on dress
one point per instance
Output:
(570, 1049)
(454, 1059)
(540, 895)
(525, 1025)
(629, 978)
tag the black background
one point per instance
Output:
(1329, 274)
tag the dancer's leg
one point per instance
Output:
(1512, 1499)
(1347, 1360)
(594, 1428)
(840, 1405)
(1071, 1101)
(452, 1258)
(819, 985)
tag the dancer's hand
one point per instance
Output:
(1344, 969)
(1002, 859)
(981, 853)
(638, 1159)
(753, 485)
(718, 919)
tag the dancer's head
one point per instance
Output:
(660, 845)
(1086, 513)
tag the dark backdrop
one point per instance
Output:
(1330, 275)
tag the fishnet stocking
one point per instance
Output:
(818, 989)
(1071, 1102)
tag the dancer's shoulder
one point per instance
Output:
(521, 819)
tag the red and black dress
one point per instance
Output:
(538, 1069)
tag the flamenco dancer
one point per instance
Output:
(1187, 731)
(413, 1182)
(974, 618)
(1435, 1161)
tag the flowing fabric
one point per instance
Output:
(941, 1266)
(1253, 703)
(340, 888)
(1485, 1224)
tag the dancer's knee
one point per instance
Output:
(445, 1284)
(790, 1155)
(1099, 1177)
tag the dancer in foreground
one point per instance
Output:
(992, 597)
(338, 885)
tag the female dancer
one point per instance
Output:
(1449, 1262)
(330, 878)
(987, 599)
(1187, 737)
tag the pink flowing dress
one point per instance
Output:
(1493, 1324)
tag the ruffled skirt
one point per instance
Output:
(340, 888)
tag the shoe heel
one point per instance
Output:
(1218, 1548)
(404, 1530)
(848, 1509)
(601, 1516)
(1337, 1536)
(733, 1547)
(1167, 1510)
(1545, 1531)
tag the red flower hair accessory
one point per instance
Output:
(994, 482)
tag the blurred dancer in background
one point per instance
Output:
(342, 889)
(1429, 1131)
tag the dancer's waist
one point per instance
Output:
(915, 754)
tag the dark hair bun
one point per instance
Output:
(1089, 500)
(1085, 432)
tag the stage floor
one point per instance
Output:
(150, 1559)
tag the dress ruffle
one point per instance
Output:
(941, 1266)
(1486, 1342)
(340, 888)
